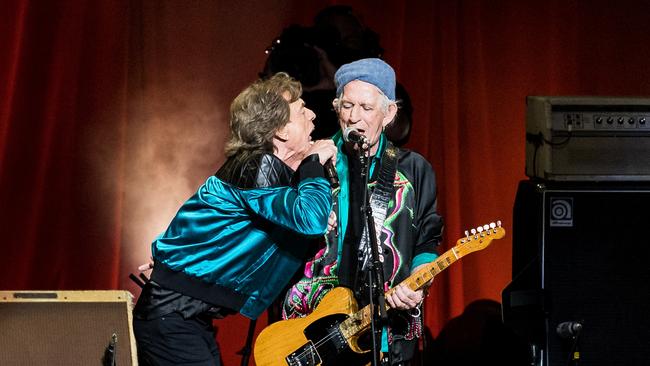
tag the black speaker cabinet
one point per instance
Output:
(66, 328)
(581, 253)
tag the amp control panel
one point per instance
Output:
(584, 138)
(600, 118)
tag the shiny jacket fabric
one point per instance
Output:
(409, 237)
(237, 241)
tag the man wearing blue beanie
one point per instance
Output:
(402, 189)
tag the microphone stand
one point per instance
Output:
(377, 300)
(574, 352)
(245, 352)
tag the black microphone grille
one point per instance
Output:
(347, 132)
(568, 329)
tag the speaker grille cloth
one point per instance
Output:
(62, 333)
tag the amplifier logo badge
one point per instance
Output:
(561, 212)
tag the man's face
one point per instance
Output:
(297, 131)
(361, 108)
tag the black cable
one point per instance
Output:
(566, 141)
(539, 140)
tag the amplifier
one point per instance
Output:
(66, 328)
(588, 138)
(579, 254)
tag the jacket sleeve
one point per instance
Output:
(427, 220)
(303, 209)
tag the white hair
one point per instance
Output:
(384, 102)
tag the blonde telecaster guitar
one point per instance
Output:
(329, 335)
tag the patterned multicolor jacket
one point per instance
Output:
(409, 237)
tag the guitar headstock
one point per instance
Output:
(479, 238)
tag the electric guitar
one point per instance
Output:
(330, 334)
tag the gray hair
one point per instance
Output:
(384, 102)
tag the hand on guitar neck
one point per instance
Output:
(403, 298)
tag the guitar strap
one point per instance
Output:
(379, 200)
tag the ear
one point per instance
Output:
(390, 115)
(282, 134)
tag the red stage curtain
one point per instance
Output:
(112, 112)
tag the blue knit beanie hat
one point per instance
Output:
(370, 70)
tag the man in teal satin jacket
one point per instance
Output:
(233, 245)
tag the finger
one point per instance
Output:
(407, 296)
(420, 296)
(145, 267)
(390, 302)
(397, 302)
(331, 222)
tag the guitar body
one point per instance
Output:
(312, 340)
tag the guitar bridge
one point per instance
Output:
(304, 356)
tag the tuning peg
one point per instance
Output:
(499, 223)
(492, 225)
(467, 238)
(479, 229)
(473, 231)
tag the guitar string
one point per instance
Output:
(319, 343)
(316, 345)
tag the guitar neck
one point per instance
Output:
(359, 321)
(480, 238)
(420, 278)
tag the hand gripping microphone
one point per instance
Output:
(330, 173)
(351, 134)
(568, 329)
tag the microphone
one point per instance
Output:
(351, 134)
(568, 329)
(330, 172)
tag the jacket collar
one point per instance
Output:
(261, 170)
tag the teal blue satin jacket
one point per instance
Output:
(237, 247)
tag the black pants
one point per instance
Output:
(172, 340)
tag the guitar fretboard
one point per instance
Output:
(360, 321)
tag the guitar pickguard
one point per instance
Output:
(306, 355)
(326, 345)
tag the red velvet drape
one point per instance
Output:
(111, 113)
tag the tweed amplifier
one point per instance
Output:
(66, 328)
(573, 138)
